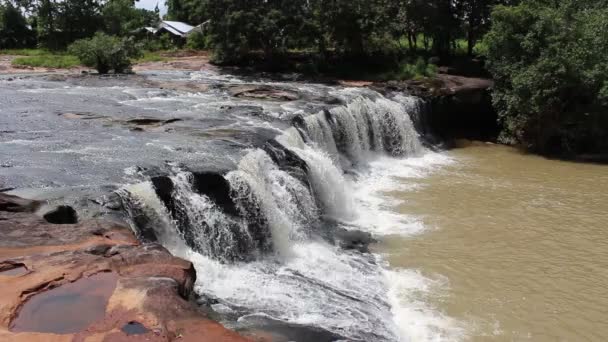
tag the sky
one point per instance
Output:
(150, 4)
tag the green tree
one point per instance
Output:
(120, 17)
(549, 62)
(14, 31)
(106, 53)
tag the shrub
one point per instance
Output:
(106, 53)
(197, 41)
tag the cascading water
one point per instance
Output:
(262, 249)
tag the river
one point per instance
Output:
(273, 188)
(515, 247)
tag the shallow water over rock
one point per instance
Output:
(69, 308)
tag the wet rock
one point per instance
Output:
(261, 328)
(87, 299)
(287, 161)
(264, 92)
(134, 328)
(216, 187)
(63, 214)
(17, 204)
(230, 244)
(143, 124)
(12, 269)
(103, 275)
(82, 116)
(354, 239)
(457, 107)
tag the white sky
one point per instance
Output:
(150, 4)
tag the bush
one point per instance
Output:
(197, 41)
(106, 53)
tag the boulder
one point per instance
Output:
(93, 281)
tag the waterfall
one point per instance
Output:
(258, 224)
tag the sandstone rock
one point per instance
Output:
(87, 281)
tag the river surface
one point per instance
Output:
(515, 247)
(271, 198)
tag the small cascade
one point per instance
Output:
(275, 206)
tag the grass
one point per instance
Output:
(61, 60)
(150, 56)
(41, 58)
(408, 71)
(47, 61)
(24, 52)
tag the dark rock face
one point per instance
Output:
(216, 187)
(467, 114)
(226, 241)
(100, 268)
(287, 161)
(456, 107)
(63, 214)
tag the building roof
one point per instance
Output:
(176, 27)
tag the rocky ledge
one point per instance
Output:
(92, 281)
(458, 107)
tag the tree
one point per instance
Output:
(551, 74)
(120, 17)
(14, 31)
(106, 53)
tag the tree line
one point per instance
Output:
(346, 27)
(54, 24)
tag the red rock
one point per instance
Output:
(86, 281)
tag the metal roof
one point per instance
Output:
(178, 27)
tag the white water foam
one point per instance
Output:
(314, 283)
(408, 290)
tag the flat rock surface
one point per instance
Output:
(93, 281)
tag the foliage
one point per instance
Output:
(197, 41)
(121, 18)
(549, 63)
(48, 60)
(14, 32)
(106, 53)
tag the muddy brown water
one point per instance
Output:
(520, 244)
(69, 308)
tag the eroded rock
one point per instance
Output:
(75, 282)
